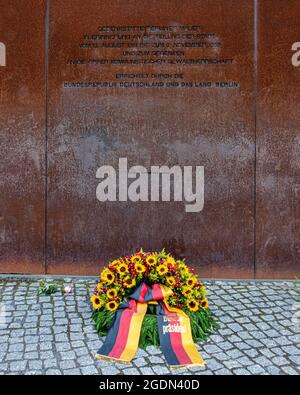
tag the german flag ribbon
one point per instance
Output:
(174, 329)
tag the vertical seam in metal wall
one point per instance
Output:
(46, 136)
(255, 59)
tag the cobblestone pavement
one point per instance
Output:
(259, 331)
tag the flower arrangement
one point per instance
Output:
(122, 276)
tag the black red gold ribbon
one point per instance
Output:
(174, 329)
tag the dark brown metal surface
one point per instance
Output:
(93, 127)
(22, 136)
(278, 141)
(246, 137)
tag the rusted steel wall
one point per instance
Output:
(54, 137)
(22, 136)
(89, 128)
(278, 140)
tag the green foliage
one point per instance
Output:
(103, 321)
(47, 288)
(149, 332)
(202, 324)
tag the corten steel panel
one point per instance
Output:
(22, 141)
(89, 128)
(278, 141)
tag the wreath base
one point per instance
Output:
(202, 325)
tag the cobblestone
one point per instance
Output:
(55, 334)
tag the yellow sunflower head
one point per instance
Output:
(151, 260)
(122, 269)
(162, 269)
(204, 304)
(182, 267)
(192, 305)
(171, 281)
(107, 276)
(170, 261)
(111, 293)
(139, 267)
(129, 282)
(99, 287)
(135, 258)
(103, 274)
(96, 301)
(191, 281)
(112, 305)
(187, 291)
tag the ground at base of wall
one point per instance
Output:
(259, 331)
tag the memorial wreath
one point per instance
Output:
(150, 298)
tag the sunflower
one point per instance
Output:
(135, 258)
(139, 267)
(129, 282)
(204, 304)
(122, 269)
(99, 287)
(111, 305)
(111, 293)
(151, 260)
(187, 291)
(107, 276)
(191, 281)
(192, 305)
(97, 301)
(183, 268)
(162, 269)
(103, 274)
(110, 277)
(170, 261)
(171, 281)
